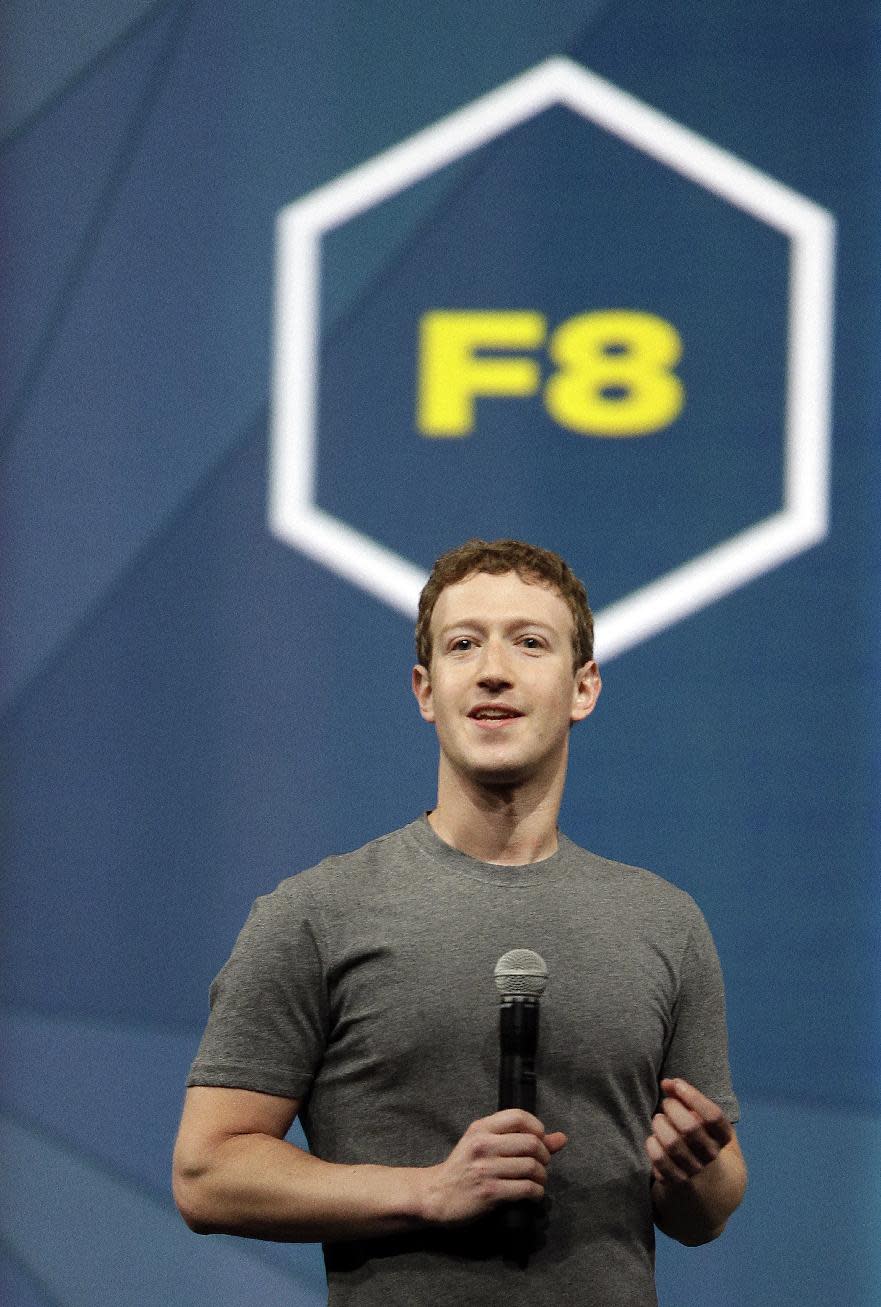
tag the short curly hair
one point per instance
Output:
(497, 557)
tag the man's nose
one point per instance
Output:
(494, 671)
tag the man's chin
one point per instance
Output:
(500, 775)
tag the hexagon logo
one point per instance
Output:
(799, 520)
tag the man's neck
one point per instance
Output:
(506, 824)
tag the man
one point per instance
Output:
(360, 994)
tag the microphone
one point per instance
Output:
(521, 977)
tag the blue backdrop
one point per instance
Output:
(198, 701)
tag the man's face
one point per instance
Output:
(501, 690)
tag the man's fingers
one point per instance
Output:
(517, 1162)
(676, 1149)
(519, 1168)
(657, 1157)
(688, 1132)
(692, 1129)
(663, 1166)
(709, 1112)
(711, 1115)
(499, 1159)
(514, 1121)
(511, 1120)
(517, 1146)
(680, 1116)
(690, 1096)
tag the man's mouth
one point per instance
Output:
(494, 713)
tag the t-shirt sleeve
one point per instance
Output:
(698, 1046)
(268, 1021)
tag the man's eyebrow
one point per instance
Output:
(511, 623)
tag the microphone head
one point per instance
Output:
(521, 972)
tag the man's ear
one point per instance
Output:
(585, 691)
(422, 689)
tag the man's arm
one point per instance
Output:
(698, 1171)
(234, 1173)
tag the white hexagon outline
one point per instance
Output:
(803, 520)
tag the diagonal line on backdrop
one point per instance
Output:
(155, 1199)
(8, 710)
(154, 541)
(469, 171)
(14, 1257)
(598, 12)
(40, 1132)
(132, 138)
(92, 66)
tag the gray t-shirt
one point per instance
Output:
(364, 987)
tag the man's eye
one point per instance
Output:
(462, 645)
(532, 642)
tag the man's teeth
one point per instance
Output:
(494, 713)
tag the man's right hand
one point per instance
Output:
(501, 1158)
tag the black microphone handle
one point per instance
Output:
(518, 1041)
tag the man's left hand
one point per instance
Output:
(688, 1133)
